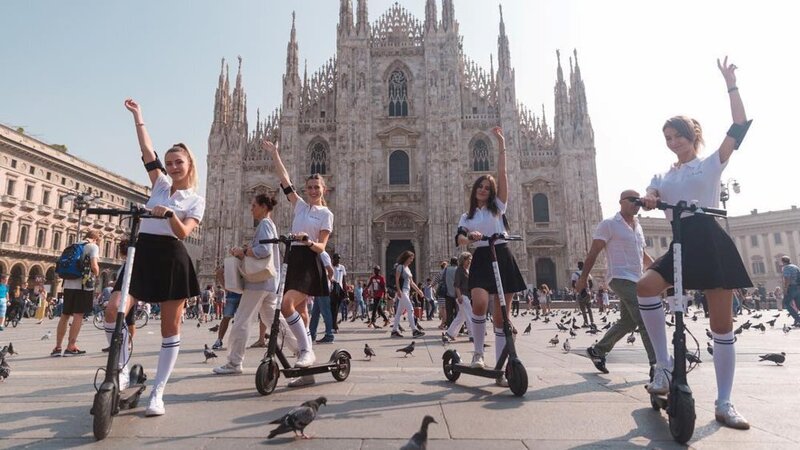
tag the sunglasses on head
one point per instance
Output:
(631, 199)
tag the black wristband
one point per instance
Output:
(288, 189)
(155, 164)
(734, 88)
(461, 232)
(738, 132)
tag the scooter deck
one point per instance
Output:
(293, 372)
(130, 394)
(486, 373)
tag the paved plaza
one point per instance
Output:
(46, 401)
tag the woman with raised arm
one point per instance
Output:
(162, 270)
(305, 276)
(710, 260)
(487, 206)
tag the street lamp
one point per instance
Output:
(725, 195)
(81, 201)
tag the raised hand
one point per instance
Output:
(269, 147)
(498, 133)
(132, 106)
(728, 72)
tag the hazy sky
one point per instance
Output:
(68, 66)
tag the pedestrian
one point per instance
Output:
(78, 299)
(219, 303)
(464, 315)
(429, 302)
(404, 280)
(623, 240)
(338, 291)
(545, 297)
(450, 292)
(257, 297)
(710, 259)
(322, 306)
(791, 287)
(377, 288)
(162, 269)
(584, 296)
(486, 217)
(305, 276)
(206, 302)
(3, 300)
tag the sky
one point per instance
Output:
(68, 66)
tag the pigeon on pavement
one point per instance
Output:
(777, 358)
(527, 329)
(408, 349)
(710, 348)
(11, 349)
(771, 323)
(368, 351)
(5, 369)
(554, 341)
(208, 353)
(47, 335)
(298, 418)
(567, 346)
(214, 329)
(419, 441)
(632, 337)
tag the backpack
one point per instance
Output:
(73, 262)
(441, 289)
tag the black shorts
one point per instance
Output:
(709, 256)
(305, 272)
(77, 301)
(481, 274)
(205, 308)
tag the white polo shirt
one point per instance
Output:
(485, 222)
(624, 247)
(311, 219)
(697, 180)
(339, 273)
(184, 203)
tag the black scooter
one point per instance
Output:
(109, 400)
(514, 371)
(268, 371)
(679, 402)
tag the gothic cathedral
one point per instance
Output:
(398, 122)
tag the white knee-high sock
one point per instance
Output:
(653, 317)
(499, 343)
(298, 329)
(170, 346)
(479, 330)
(724, 364)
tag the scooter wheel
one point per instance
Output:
(450, 359)
(342, 370)
(101, 410)
(267, 377)
(517, 377)
(681, 423)
(137, 374)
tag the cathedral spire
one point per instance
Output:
(362, 24)
(345, 17)
(503, 52)
(448, 16)
(239, 105)
(577, 94)
(562, 110)
(430, 16)
(220, 96)
(291, 53)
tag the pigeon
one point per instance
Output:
(208, 353)
(694, 318)
(592, 331)
(771, 323)
(419, 441)
(738, 330)
(692, 358)
(408, 349)
(708, 333)
(554, 341)
(777, 315)
(746, 325)
(777, 358)
(608, 325)
(214, 329)
(546, 320)
(524, 313)
(575, 326)
(760, 326)
(198, 324)
(632, 337)
(710, 348)
(47, 335)
(11, 349)
(527, 329)
(567, 346)
(572, 333)
(445, 341)
(5, 369)
(604, 319)
(757, 316)
(561, 327)
(786, 329)
(298, 418)
(368, 351)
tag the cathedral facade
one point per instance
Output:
(398, 122)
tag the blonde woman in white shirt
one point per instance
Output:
(710, 260)
(162, 269)
(305, 276)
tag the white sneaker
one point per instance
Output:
(477, 361)
(228, 369)
(661, 379)
(217, 345)
(501, 381)
(305, 380)
(124, 378)
(306, 358)
(156, 406)
(726, 414)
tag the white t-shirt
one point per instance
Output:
(624, 247)
(311, 220)
(589, 280)
(485, 222)
(339, 273)
(326, 262)
(405, 278)
(185, 203)
(92, 251)
(697, 180)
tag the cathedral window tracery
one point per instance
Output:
(398, 168)
(541, 208)
(398, 94)
(480, 156)
(319, 158)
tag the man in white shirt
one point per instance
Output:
(622, 238)
(584, 295)
(338, 289)
(78, 299)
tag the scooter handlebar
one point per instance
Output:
(134, 210)
(690, 207)
(503, 236)
(284, 239)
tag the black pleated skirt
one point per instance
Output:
(481, 274)
(162, 270)
(305, 272)
(709, 257)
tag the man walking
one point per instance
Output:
(584, 294)
(623, 239)
(791, 287)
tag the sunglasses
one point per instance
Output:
(632, 199)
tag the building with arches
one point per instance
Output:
(399, 123)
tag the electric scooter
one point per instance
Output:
(109, 400)
(268, 371)
(514, 371)
(679, 402)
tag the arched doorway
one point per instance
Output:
(3, 269)
(17, 275)
(546, 273)
(50, 280)
(393, 251)
(36, 276)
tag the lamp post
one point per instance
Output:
(725, 195)
(81, 201)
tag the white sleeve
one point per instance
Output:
(327, 222)
(462, 222)
(198, 209)
(500, 205)
(326, 259)
(603, 231)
